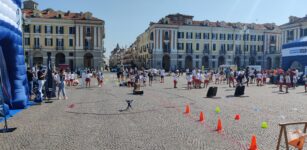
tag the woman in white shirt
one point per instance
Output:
(189, 79)
(281, 82)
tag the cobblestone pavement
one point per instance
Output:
(97, 120)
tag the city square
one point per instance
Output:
(92, 118)
(153, 75)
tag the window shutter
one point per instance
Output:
(51, 29)
(45, 29)
(46, 44)
(57, 29)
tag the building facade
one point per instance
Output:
(177, 41)
(294, 35)
(73, 39)
(117, 57)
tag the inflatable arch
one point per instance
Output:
(12, 64)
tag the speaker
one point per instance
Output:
(239, 90)
(138, 92)
(211, 92)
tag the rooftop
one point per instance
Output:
(180, 19)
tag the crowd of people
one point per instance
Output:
(197, 78)
(37, 78)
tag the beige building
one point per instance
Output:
(178, 41)
(73, 39)
(295, 29)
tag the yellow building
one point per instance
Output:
(73, 39)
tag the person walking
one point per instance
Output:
(281, 82)
(150, 76)
(41, 75)
(288, 82)
(61, 85)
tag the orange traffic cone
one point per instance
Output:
(201, 117)
(219, 125)
(237, 117)
(253, 145)
(187, 109)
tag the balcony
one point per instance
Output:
(189, 51)
(59, 47)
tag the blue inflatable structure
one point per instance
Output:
(12, 63)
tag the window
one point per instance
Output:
(87, 44)
(229, 47)
(197, 64)
(166, 35)
(189, 46)
(245, 47)
(151, 36)
(206, 47)
(253, 38)
(214, 47)
(206, 36)
(223, 47)
(27, 41)
(245, 37)
(179, 64)
(290, 35)
(180, 35)
(180, 46)
(36, 42)
(213, 64)
(71, 42)
(259, 57)
(260, 37)
(238, 37)
(72, 30)
(59, 42)
(198, 35)
(88, 31)
(180, 56)
(272, 39)
(214, 36)
(238, 47)
(59, 29)
(197, 56)
(230, 37)
(26, 29)
(37, 28)
(213, 57)
(48, 29)
(197, 46)
(189, 35)
(48, 42)
(222, 37)
(71, 54)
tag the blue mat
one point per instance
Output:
(14, 112)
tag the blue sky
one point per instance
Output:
(126, 19)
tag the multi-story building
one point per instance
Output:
(73, 39)
(117, 57)
(177, 41)
(295, 29)
(294, 35)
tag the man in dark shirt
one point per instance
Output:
(247, 75)
(30, 80)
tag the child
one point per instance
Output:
(264, 76)
(217, 78)
(100, 79)
(189, 79)
(162, 74)
(294, 81)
